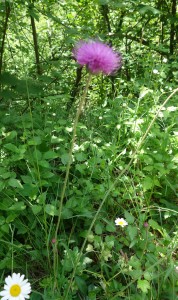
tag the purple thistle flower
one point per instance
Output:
(145, 224)
(98, 57)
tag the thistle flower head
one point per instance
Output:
(98, 57)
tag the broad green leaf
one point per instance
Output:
(65, 158)
(153, 224)
(111, 227)
(135, 274)
(50, 155)
(29, 190)
(11, 135)
(51, 210)
(35, 141)
(2, 185)
(11, 147)
(129, 218)
(81, 283)
(5, 263)
(36, 209)
(5, 228)
(99, 228)
(66, 213)
(143, 9)
(27, 179)
(18, 206)
(148, 275)
(44, 164)
(132, 231)
(144, 285)
(11, 218)
(148, 183)
(110, 240)
(47, 174)
(15, 183)
(37, 155)
(2, 220)
(134, 262)
(41, 198)
(81, 156)
(7, 175)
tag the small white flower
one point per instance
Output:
(121, 222)
(16, 288)
(155, 71)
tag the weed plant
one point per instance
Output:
(123, 164)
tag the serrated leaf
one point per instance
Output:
(135, 274)
(148, 275)
(147, 183)
(143, 285)
(132, 231)
(135, 262)
(130, 219)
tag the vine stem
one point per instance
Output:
(79, 110)
(140, 143)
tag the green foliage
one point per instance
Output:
(134, 262)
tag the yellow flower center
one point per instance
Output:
(121, 223)
(15, 290)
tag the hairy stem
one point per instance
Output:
(82, 101)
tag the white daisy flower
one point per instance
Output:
(16, 288)
(121, 222)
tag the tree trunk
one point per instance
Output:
(35, 42)
(4, 30)
(172, 31)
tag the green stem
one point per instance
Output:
(82, 101)
(114, 184)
